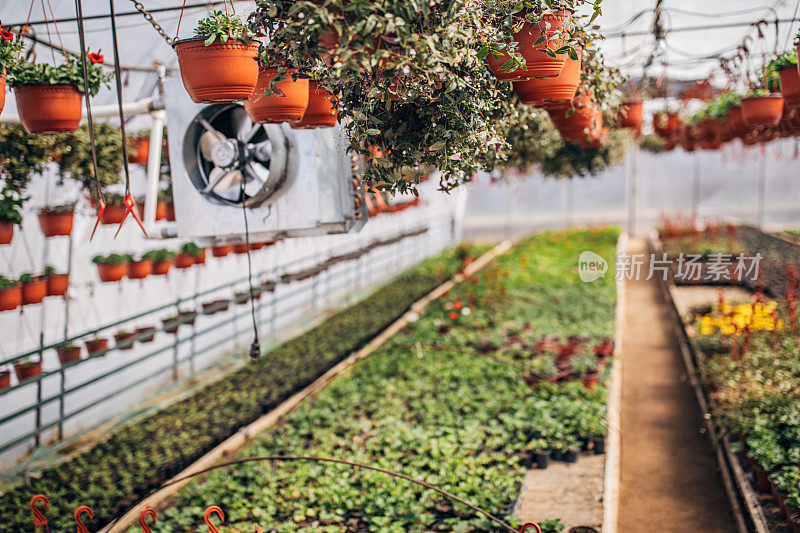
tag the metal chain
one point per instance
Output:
(149, 18)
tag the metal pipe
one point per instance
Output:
(153, 170)
(139, 107)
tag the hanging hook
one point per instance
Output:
(77, 515)
(101, 208)
(38, 516)
(130, 205)
(207, 517)
(531, 525)
(143, 519)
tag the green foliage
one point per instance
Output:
(785, 60)
(67, 73)
(191, 249)
(6, 283)
(220, 25)
(653, 143)
(27, 278)
(11, 206)
(60, 209)
(572, 160)
(111, 259)
(76, 154)
(554, 525)
(49, 270)
(159, 255)
(10, 48)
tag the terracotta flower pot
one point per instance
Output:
(162, 267)
(184, 260)
(561, 87)
(6, 231)
(125, 338)
(221, 251)
(11, 298)
(140, 269)
(57, 285)
(220, 73)
(5, 379)
(161, 210)
(34, 292)
(146, 334)
(109, 273)
(68, 355)
(790, 86)
(240, 248)
(27, 370)
(322, 110)
(200, 258)
(288, 104)
(630, 116)
(49, 108)
(96, 346)
(171, 324)
(113, 214)
(2, 91)
(591, 379)
(139, 151)
(170, 214)
(537, 64)
(54, 224)
(762, 110)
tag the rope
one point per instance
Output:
(255, 348)
(47, 27)
(118, 79)
(58, 34)
(180, 18)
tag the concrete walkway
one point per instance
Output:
(669, 480)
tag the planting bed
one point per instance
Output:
(138, 457)
(445, 401)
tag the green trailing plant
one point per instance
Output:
(6, 283)
(49, 271)
(553, 525)
(111, 259)
(75, 153)
(28, 278)
(11, 46)
(191, 249)
(221, 26)
(67, 73)
(787, 59)
(11, 206)
(21, 155)
(159, 255)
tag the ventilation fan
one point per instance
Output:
(293, 183)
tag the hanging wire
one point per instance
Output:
(255, 348)
(118, 79)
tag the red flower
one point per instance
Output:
(95, 58)
(6, 35)
(453, 315)
(457, 305)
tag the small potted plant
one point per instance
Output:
(322, 110)
(162, 259)
(571, 451)
(786, 67)
(5, 379)
(49, 97)
(188, 255)
(111, 267)
(125, 339)
(115, 209)
(27, 368)
(139, 269)
(761, 106)
(10, 206)
(241, 297)
(666, 123)
(187, 317)
(221, 250)
(540, 454)
(218, 64)
(10, 48)
(10, 294)
(68, 353)
(57, 284)
(165, 195)
(171, 324)
(552, 525)
(139, 147)
(161, 208)
(96, 345)
(146, 334)
(57, 220)
(34, 288)
(240, 248)
(280, 96)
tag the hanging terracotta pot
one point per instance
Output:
(2, 91)
(140, 269)
(54, 224)
(6, 231)
(57, 284)
(287, 104)
(113, 214)
(5, 379)
(790, 86)
(161, 268)
(11, 298)
(108, 272)
(577, 120)
(322, 110)
(34, 292)
(666, 125)
(139, 151)
(240, 248)
(26, 370)
(96, 345)
(762, 110)
(221, 251)
(49, 108)
(184, 260)
(219, 73)
(631, 116)
(125, 338)
(68, 354)
(200, 258)
(537, 63)
(562, 87)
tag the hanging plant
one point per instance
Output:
(785, 65)
(139, 147)
(218, 64)
(10, 214)
(322, 110)
(115, 209)
(562, 87)
(49, 97)
(666, 123)
(10, 294)
(57, 284)
(280, 96)
(162, 260)
(760, 107)
(75, 154)
(56, 220)
(34, 288)
(10, 47)
(111, 267)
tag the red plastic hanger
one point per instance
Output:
(143, 519)
(38, 516)
(130, 205)
(78, 512)
(207, 517)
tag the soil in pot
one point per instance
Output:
(57, 285)
(542, 459)
(162, 267)
(219, 73)
(322, 110)
(125, 340)
(184, 260)
(96, 345)
(140, 269)
(68, 354)
(109, 273)
(762, 110)
(287, 104)
(561, 87)
(27, 369)
(34, 292)
(537, 64)
(113, 214)
(54, 224)
(11, 298)
(49, 108)
(6, 232)
(5, 379)
(221, 251)
(146, 334)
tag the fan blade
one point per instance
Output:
(207, 142)
(230, 179)
(261, 150)
(243, 125)
(256, 172)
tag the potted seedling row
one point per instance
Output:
(10, 294)
(124, 339)
(34, 288)
(68, 353)
(111, 267)
(5, 379)
(27, 368)
(57, 284)
(96, 345)
(57, 220)
(161, 260)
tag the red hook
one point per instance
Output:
(207, 517)
(143, 519)
(101, 205)
(78, 512)
(530, 524)
(38, 517)
(130, 204)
